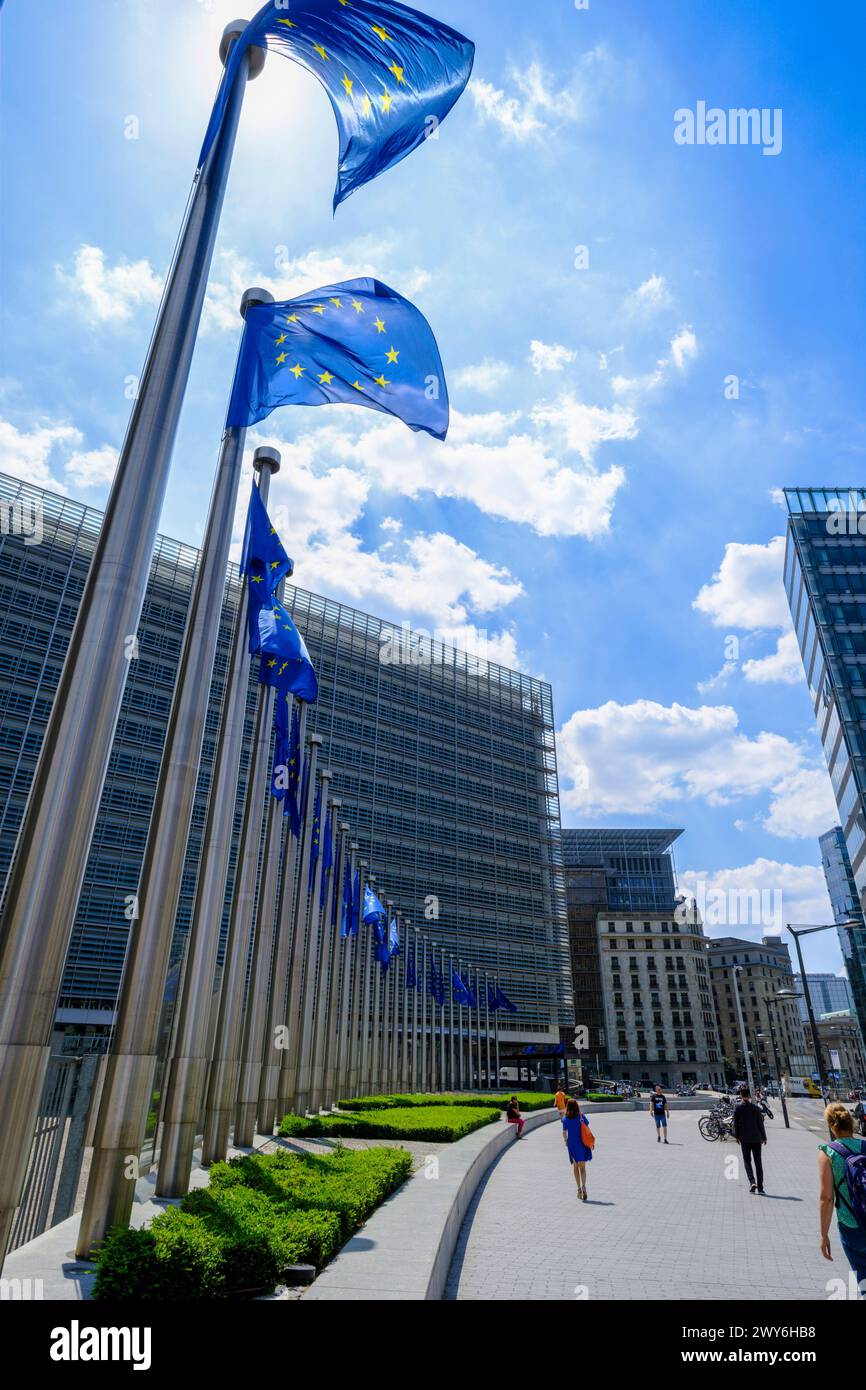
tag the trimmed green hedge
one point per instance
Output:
(529, 1100)
(437, 1124)
(603, 1096)
(258, 1215)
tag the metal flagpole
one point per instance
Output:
(335, 1019)
(394, 972)
(403, 927)
(413, 1079)
(301, 1100)
(439, 1023)
(366, 940)
(328, 964)
(255, 1016)
(496, 1031)
(487, 1027)
(186, 1075)
(130, 1070)
(452, 1069)
(224, 1071)
(353, 1042)
(54, 840)
(292, 1018)
(348, 1049)
(306, 902)
(460, 1029)
(424, 1020)
(276, 1031)
(378, 980)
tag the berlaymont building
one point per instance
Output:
(445, 764)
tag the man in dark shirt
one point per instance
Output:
(659, 1111)
(751, 1136)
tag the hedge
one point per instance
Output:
(437, 1124)
(258, 1215)
(603, 1096)
(529, 1100)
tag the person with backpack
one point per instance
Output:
(659, 1112)
(580, 1142)
(842, 1184)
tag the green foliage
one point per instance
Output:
(437, 1124)
(258, 1215)
(603, 1096)
(529, 1100)
(177, 1257)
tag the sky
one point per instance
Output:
(644, 341)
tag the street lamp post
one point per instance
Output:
(737, 969)
(779, 998)
(796, 933)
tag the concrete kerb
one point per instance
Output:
(404, 1252)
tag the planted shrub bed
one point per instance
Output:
(257, 1216)
(603, 1096)
(438, 1124)
(529, 1100)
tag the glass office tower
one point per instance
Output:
(446, 767)
(845, 902)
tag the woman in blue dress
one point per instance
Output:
(575, 1131)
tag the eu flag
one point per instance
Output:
(459, 989)
(327, 853)
(411, 972)
(392, 75)
(286, 663)
(348, 926)
(282, 750)
(264, 563)
(503, 1002)
(393, 937)
(373, 909)
(357, 343)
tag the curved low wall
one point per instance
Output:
(405, 1250)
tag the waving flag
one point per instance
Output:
(354, 343)
(348, 926)
(317, 830)
(264, 563)
(392, 75)
(286, 663)
(393, 937)
(327, 853)
(503, 1002)
(411, 971)
(373, 909)
(459, 989)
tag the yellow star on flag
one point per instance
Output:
(256, 579)
(387, 102)
(272, 662)
(357, 385)
(367, 106)
(357, 306)
(381, 380)
(288, 23)
(318, 308)
(379, 325)
(281, 359)
(282, 338)
(337, 303)
(292, 318)
(398, 73)
(275, 564)
(320, 50)
(392, 356)
(297, 371)
(383, 33)
(326, 378)
(348, 84)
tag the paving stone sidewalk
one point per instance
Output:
(661, 1222)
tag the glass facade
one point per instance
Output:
(845, 902)
(446, 765)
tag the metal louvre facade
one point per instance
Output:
(446, 766)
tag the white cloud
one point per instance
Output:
(639, 759)
(390, 523)
(683, 347)
(803, 805)
(513, 116)
(508, 467)
(537, 104)
(652, 294)
(546, 357)
(485, 376)
(784, 665)
(290, 276)
(747, 590)
(28, 453)
(788, 893)
(109, 293)
(95, 468)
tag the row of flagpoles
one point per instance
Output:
(393, 75)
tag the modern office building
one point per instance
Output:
(609, 871)
(659, 1015)
(842, 1049)
(829, 994)
(446, 767)
(845, 901)
(760, 969)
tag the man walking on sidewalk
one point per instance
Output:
(659, 1112)
(751, 1136)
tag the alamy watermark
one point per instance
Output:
(408, 646)
(739, 125)
(847, 516)
(736, 907)
(23, 517)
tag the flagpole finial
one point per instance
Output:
(326, 774)
(336, 803)
(265, 457)
(316, 740)
(254, 295)
(232, 32)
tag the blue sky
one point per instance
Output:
(604, 510)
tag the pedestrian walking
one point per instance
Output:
(560, 1100)
(579, 1142)
(842, 1184)
(659, 1111)
(859, 1113)
(751, 1135)
(513, 1115)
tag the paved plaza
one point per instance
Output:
(660, 1223)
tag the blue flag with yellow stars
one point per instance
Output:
(354, 343)
(317, 830)
(392, 75)
(264, 563)
(286, 663)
